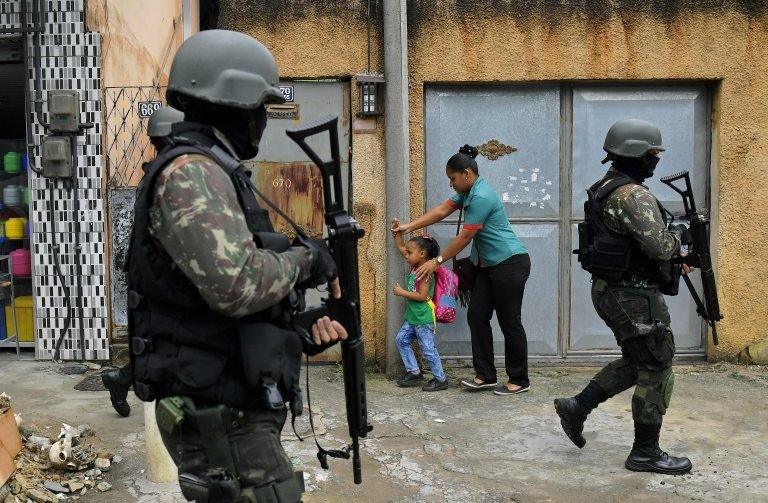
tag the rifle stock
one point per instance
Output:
(698, 223)
(343, 235)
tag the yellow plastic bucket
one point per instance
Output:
(14, 228)
(23, 316)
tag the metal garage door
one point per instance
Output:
(541, 147)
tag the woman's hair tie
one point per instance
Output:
(469, 150)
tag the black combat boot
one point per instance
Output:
(572, 416)
(646, 456)
(573, 411)
(118, 384)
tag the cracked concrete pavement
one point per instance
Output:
(464, 446)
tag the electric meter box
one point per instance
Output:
(57, 157)
(64, 111)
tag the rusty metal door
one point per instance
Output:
(285, 174)
(282, 171)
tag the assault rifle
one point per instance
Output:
(698, 224)
(343, 235)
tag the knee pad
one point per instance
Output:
(652, 395)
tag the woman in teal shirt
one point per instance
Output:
(504, 268)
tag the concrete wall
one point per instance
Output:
(139, 39)
(725, 42)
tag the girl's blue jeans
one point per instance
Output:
(425, 334)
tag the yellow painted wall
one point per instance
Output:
(506, 41)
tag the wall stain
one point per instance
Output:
(554, 12)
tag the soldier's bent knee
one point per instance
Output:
(652, 395)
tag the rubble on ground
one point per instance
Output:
(51, 469)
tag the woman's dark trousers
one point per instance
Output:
(500, 288)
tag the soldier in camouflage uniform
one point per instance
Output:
(212, 287)
(632, 305)
(118, 382)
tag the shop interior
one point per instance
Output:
(15, 228)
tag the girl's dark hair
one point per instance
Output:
(464, 160)
(428, 244)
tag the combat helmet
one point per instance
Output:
(161, 120)
(632, 138)
(223, 68)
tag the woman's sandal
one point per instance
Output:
(503, 390)
(473, 385)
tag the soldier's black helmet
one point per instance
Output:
(223, 68)
(632, 138)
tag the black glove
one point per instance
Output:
(685, 235)
(323, 267)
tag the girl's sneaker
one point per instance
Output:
(410, 380)
(435, 385)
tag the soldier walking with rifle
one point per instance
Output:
(217, 321)
(635, 258)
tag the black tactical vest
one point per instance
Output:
(179, 345)
(610, 255)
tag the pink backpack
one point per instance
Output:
(446, 286)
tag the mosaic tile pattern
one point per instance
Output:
(70, 58)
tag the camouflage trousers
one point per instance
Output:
(640, 321)
(265, 472)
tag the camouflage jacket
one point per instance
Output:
(633, 210)
(196, 216)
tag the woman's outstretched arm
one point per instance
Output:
(434, 215)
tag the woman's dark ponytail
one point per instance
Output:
(464, 160)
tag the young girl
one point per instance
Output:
(419, 314)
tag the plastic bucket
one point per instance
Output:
(12, 195)
(12, 162)
(14, 228)
(24, 317)
(21, 262)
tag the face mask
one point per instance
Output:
(257, 123)
(651, 161)
(637, 168)
(242, 129)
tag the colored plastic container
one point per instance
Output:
(12, 162)
(14, 228)
(24, 162)
(23, 316)
(25, 195)
(21, 262)
(3, 219)
(3, 333)
(12, 195)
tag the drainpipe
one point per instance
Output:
(398, 161)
